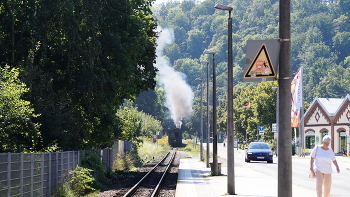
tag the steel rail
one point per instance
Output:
(157, 189)
(134, 188)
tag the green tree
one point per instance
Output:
(244, 119)
(255, 106)
(152, 103)
(334, 84)
(195, 42)
(18, 133)
(80, 66)
(134, 124)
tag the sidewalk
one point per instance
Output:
(346, 162)
(194, 180)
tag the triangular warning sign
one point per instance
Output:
(261, 66)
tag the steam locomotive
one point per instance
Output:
(175, 137)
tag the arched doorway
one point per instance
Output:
(342, 140)
(310, 140)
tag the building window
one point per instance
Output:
(342, 140)
(310, 140)
(324, 133)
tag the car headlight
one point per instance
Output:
(249, 153)
(270, 153)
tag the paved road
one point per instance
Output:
(300, 167)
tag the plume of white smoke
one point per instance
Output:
(179, 95)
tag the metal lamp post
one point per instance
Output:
(201, 133)
(215, 138)
(208, 130)
(230, 132)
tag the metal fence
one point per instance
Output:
(38, 174)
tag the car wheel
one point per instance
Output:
(270, 161)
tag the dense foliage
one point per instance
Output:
(80, 60)
(136, 123)
(320, 43)
(17, 130)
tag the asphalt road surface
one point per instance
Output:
(300, 170)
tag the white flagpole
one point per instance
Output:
(301, 122)
(297, 100)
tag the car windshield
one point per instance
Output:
(259, 146)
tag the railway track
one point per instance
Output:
(150, 184)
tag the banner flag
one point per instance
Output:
(297, 100)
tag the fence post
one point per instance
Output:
(78, 160)
(21, 176)
(69, 155)
(31, 173)
(62, 164)
(101, 153)
(73, 159)
(42, 174)
(56, 175)
(8, 174)
(49, 187)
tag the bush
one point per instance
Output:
(93, 161)
(243, 146)
(149, 150)
(81, 181)
(127, 162)
(163, 141)
(189, 149)
(64, 190)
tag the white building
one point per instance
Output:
(328, 116)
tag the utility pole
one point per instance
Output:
(208, 130)
(201, 131)
(215, 137)
(230, 131)
(284, 111)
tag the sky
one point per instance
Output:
(157, 2)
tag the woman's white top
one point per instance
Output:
(323, 159)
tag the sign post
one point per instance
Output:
(261, 130)
(274, 127)
(154, 138)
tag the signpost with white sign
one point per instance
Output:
(274, 127)
(261, 130)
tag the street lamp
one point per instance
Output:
(223, 7)
(230, 132)
(208, 116)
(201, 133)
(215, 138)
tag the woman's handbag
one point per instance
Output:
(312, 176)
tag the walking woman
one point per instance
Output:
(321, 166)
